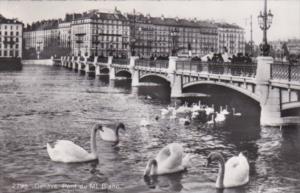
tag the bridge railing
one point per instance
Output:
(234, 69)
(121, 61)
(285, 71)
(152, 63)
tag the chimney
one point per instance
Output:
(195, 19)
(177, 18)
(148, 16)
(162, 17)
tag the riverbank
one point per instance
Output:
(46, 62)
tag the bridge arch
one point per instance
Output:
(123, 73)
(240, 90)
(104, 70)
(152, 77)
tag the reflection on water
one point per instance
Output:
(42, 104)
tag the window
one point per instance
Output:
(5, 53)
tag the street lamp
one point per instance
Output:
(265, 21)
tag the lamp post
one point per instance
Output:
(265, 21)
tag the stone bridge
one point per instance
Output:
(274, 86)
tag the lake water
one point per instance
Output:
(41, 104)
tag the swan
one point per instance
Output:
(174, 114)
(170, 159)
(145, 122)
(164, 111)
(220, 118)
(212, 121)
(185, 121)
(225, 111)
(108, 134)
(148, 97)
(183, 109)
(209, 110)
(236, 114)
(68, 152)
(233, 173)
(195, 114)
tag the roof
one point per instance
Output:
(95, 14)
(8, 21)
(43, 25)
(139, 18)
(227, 25)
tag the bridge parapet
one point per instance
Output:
(285, 71)
(234, 69)
(121, 61)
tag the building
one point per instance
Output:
(102, 34)
(294, 46)
(11, 32)
(230, 38)
(121, 35)
(160, 36)
(42, 36)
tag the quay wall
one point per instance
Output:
(46, 62)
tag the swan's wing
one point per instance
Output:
(67, 150)
(163, 154)
(236, 172)
(232, 163)
(171, 156)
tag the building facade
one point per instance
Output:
(121, 35)
(102, 34)
(160, 36)
(11, 32)
(230, 38)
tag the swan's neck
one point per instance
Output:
(220, 180)
(93, 141)
(117, 133)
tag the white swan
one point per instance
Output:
(164, 111)
(145, 122)
(220, 118)
(225, 111)
(236, 114)
(173, 115)
(170, 159)
(112, 135)
(68, 152)
(209, 110)
(212, 121)
(185, 121)
(233, 173)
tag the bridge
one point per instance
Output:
(274, 86)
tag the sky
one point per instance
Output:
(286, 21)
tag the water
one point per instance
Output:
(41, 104)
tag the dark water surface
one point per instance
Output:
(41, 104)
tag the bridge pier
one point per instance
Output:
(175, 80)
(269, 97)
(135, 76)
